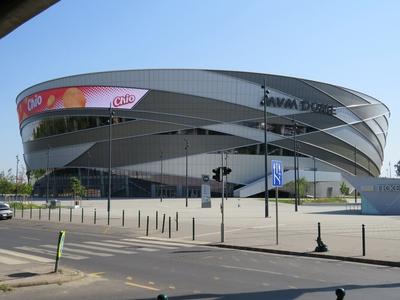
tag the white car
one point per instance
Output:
(5, 211)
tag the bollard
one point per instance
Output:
(14, 211)
(94, 216)
(176, 220)
(139, 219)
(123, 217)
(147, 226)
(82, 216)
(30, 212)
(70, 214)
(169, 227)
(156, 219)
(363, 239)
(22, 211)
(59, 213)
(321, 246)
(108, 217)
(49, 214)
(163, 224)
(193, 229)
(40, 213)
(340, 293)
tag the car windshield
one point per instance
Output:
(3, 207)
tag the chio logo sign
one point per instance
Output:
(34, 102)
(123, 100)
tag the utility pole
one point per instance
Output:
(109, 163)
(186, 179)
(161, 179)
(315, 180)
(264, 102)
(355, 172)
(16, 180)
(47, 175)
(222, 199)
(226, 176)
(295, 164)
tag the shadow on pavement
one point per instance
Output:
(287, 294)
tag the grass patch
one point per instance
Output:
(5, 287)
(334, 200)
(20, 205)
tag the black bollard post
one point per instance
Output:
(94, 216)
(22, 211)
(147, 226)
(193, 230)
(59, 213)
(70, 214)
(163, 224)
(139, 219)
(49, 213)
(82, 216)
(319, 230)
(156, 219)
(14, 211)
(340, 293)
(40, 213)
(169, 227)
(123, 217)
(363, 239)
(30, 212)
(176, 220)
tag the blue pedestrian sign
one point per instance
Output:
(277, 173)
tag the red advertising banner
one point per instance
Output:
(79, 97)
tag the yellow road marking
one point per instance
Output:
(142, 286)
(129, 278)
(96, 274)
(171, 287)
(151, 282)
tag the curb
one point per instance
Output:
(312, 254)
(42, 280)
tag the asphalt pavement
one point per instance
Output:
(121, 263)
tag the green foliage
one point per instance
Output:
(77, 188)
(344, 189)
(9, 186)
(303, 184)
(38, 173)
(19, 205)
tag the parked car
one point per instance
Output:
(5, 211)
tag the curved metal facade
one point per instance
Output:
(214, 111)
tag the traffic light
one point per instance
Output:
(217, 176)
(227, 170)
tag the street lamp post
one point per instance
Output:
(355, 172)
(186, 179)
(315, 180)
(295, 164)
(47, 175)
(264, 102)
(16, 180)
(161, 179)
(109, 163)
(88, 173)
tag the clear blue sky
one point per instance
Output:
(355, 44)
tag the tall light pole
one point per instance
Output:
(16, 180)
(186, 154)
(295, 164)
(111, 114)
(315, 180)
(47, 175)
(87, 180)
(298, 173)
(161, 179)
(264, 102)
(355, 172)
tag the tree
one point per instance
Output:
(77, 188)
(397, 168)
(344, 189)
(302, 184)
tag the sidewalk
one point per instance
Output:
(33, 274)
(246, 226)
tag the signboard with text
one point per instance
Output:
(277, 173)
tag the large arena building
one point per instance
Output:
(166, 120)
